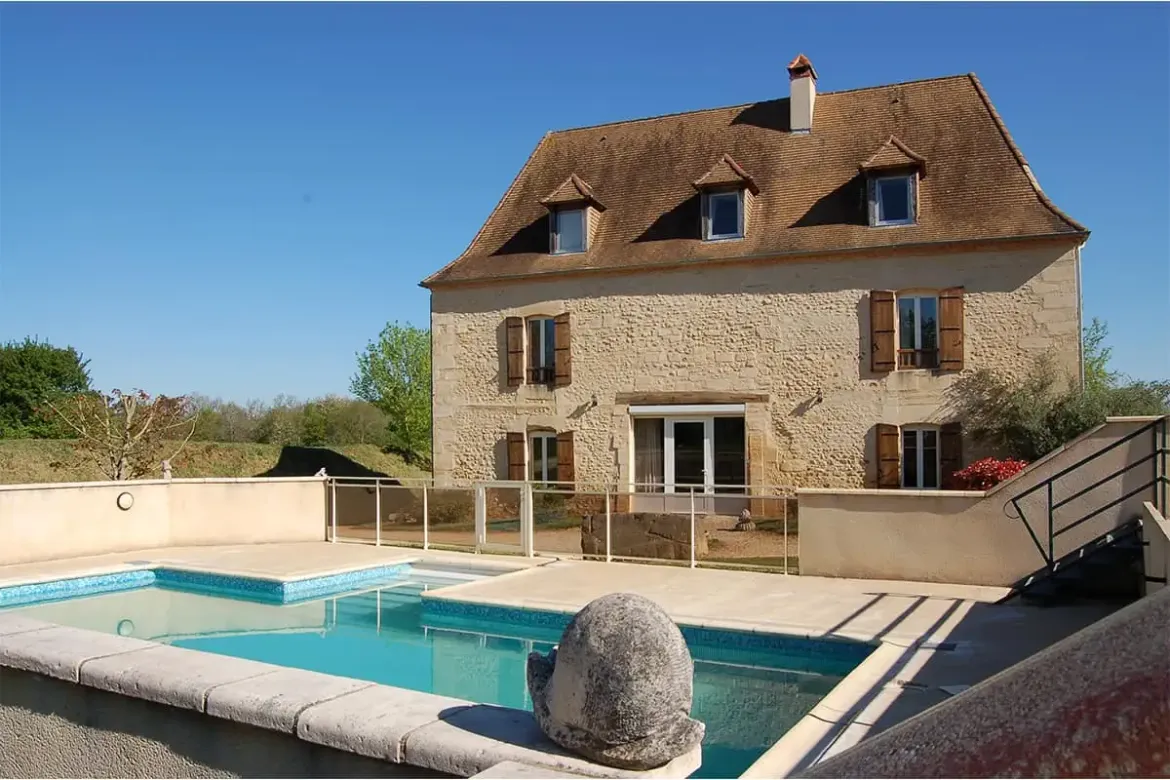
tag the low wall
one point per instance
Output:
(46, 522)
(1156, 535)
(973, 537)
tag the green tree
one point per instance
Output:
(127, 435)
(315, 424)
(1029, 416)
(394, 374)
(33, 373)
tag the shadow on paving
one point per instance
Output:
(988, 639)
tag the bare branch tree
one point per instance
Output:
(128, 435)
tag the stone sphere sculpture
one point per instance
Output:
(617, 690)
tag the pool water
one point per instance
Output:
(747, 698)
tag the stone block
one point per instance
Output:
(169, 675)
(61, 651)
(274, 701)
(374, 721)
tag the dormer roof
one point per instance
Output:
(894, 154)
(572, 190)
(726, 173)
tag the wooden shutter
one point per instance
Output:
(883, 355)
(517, 468)
(514, 327)
(950, 452)
(950, 329)
(889, 456)
(562, 333)
(566, 465)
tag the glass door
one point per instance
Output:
(688, 453)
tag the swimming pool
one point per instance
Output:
(749, 688)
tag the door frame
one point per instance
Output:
(668, 460)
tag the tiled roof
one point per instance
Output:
(572, 190)
(811, 188)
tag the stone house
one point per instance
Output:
(782, 293)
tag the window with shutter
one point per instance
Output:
(564, 353)
(888, 456)
(514, 338)
(950, 452)
(566, 463)
(881, 331)
(516, 457)
(950, 318)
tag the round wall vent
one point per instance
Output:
(125, 501)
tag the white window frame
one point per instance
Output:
(546, 324)
(920, 451)
(669, 477)
(556, 231)
(911, 201)
(918, 298)
(549, 438)
(708, 222)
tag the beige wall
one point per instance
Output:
(44, 522)
(973, 538)
(775, 332)
(1156, 535)
(52, 728)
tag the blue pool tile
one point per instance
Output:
(15, 595)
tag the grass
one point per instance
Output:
(41, 460)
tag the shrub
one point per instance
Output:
(987, 473)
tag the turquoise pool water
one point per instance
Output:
(748, 697)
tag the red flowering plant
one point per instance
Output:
(987, 473)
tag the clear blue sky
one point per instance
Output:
(234, 198)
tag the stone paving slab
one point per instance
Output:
(13, 623)
(61, 651)
(275, 701)
(509, 770)
(169, 675)
(374, 721)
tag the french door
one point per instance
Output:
(689, 455)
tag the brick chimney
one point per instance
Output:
(802, 79)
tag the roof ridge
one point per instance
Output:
(531, 155)
(1019, 155)
(673, 114)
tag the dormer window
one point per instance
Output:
(727, 191)
(892, 174)
(574, 212)
(568, 231)
(722, 215)
(894, 200)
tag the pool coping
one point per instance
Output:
(815, 737)
(382, 722)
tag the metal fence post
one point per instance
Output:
(693, 540)
(377, 513)
(785, 500)
(527, 530)
(333, 511)
(480, 517)
(608, 544)
(426, 529)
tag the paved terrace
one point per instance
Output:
(936, 639)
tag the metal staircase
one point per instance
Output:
(1109, 565)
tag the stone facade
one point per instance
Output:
(789, 339)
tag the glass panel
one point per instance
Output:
(928, 311)
(906, 323)
(402, 514)
(355, 510)
(570, 230)
(688, 453)
(550, 458)
(451, 517)
(534, 352)
(770, 540)
(724, 210)
(930, 459)
(648, 461)
(550, 346)
(894, 200)
(569, 523)
(730, 453)
(536, 458)
(503, 518)
(910, 458)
